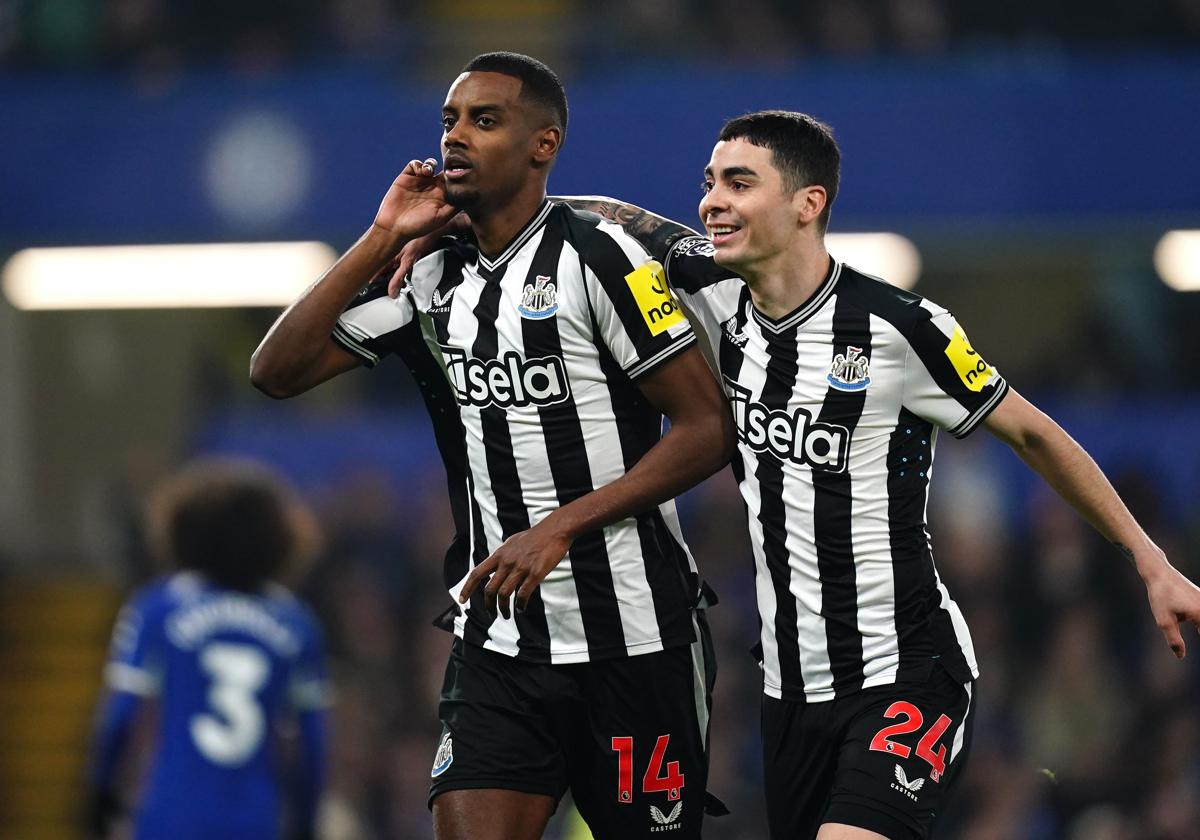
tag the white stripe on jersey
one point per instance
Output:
(960, 625)
(875, 577)
(606, 464)
(800, 495)
(960, 733)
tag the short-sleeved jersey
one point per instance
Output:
(837, 407)
(227, 669)
(540, 349)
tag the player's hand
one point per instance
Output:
(423, 246)
(1173, 600)
(519, 565)
(416, 203)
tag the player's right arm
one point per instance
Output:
(297, 352)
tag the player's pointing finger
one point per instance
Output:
(479, 573)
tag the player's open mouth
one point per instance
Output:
(721, 234)
(456, 167)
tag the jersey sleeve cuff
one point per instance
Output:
(644, 366)
(680, 247)
(980, 414)
(130, 679)
(346, 340)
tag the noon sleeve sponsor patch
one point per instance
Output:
(974, 372)
(657, 305)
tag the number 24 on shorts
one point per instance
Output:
(913, 719)
(652, 781)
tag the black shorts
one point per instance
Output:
(627, 736)
(882, 759)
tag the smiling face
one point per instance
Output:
(746, 208)
(494, 144)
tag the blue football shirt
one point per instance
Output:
(228, 669)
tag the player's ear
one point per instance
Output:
(546, 145)
(809, 202)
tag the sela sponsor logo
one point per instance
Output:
(904, 786)
(660, 310)
(506, 382)
(972, 370)
(666, 822)
(795, 437)
(444, 756)
(539, 299)
(850, 371)
(735, 335)
(441, 302)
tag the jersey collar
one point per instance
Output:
(806, 310)
(519, 241)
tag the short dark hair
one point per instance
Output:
(236, 522)
(539, 84)
(802, 147)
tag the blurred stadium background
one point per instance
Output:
(1034, 153)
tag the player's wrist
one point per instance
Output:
(1149, 560)
(383, 243)
(563, 525)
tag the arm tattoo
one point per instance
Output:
(654, 233)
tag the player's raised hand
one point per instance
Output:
(422, 246)
(518, 566)
(1173, 600)
(416, 203)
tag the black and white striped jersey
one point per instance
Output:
(536, 355)
(837, 407)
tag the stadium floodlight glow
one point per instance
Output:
(889, 256)
(163, 276)
(1177, 260)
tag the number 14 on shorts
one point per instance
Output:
(913, 720)
(653, 781)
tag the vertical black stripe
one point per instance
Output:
(569, 467)
(730, 355)
(450, 436)
(478, 620)
(673, 584)
(833, 508)
(781, 370)
(923, 627)
(513, 516)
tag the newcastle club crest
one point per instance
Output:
(539, 299)
(850, 371)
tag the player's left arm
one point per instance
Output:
(102, 802)
(653, 232)
(699, 442)
(129, 681)
(1070, 471)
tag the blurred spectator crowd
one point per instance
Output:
(1087, 727)
(266, 33)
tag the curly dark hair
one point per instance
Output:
(236, 522)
